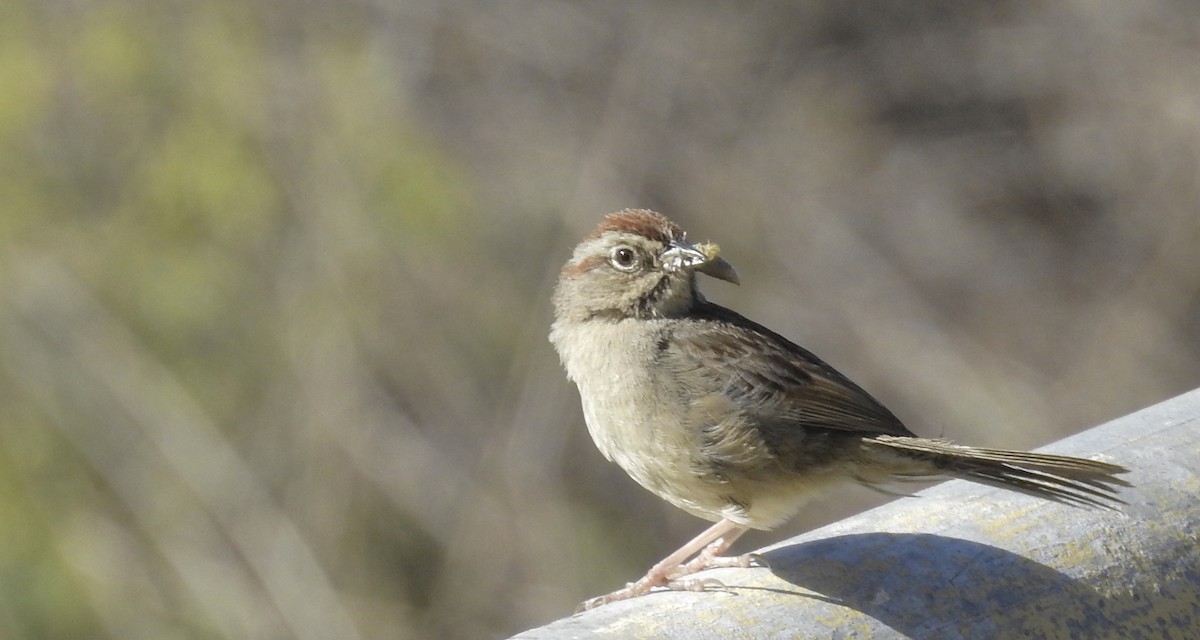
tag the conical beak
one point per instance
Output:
(701, 257)
(718, 268)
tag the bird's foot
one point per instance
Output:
(649, 583)
(669, 577)
(710, 558)
(707, 549)
(655, 578)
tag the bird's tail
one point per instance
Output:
(1060, 478)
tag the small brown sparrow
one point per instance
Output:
(727, 419)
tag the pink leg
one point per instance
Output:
(712, 557)
(711, 543)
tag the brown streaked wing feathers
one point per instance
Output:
(775, 381)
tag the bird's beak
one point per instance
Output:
(701, 257)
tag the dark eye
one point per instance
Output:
(623, 258)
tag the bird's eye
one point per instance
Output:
(623, 258)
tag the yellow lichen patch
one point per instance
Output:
(709, 249)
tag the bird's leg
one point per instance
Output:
(712, 556)
(709, 544)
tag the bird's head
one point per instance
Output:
(637, 263)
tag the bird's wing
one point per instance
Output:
(772, 381)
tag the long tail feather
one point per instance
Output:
(1063, 479)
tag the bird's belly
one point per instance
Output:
(642, 423)
(676, 471)
(649, 451)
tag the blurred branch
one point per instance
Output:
(966, 562)
(145, 434)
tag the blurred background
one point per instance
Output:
(275, 277)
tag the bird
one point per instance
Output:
(730, 421)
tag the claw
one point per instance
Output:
(707, 584)
(589, 604)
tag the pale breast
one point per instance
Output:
(634, 414)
